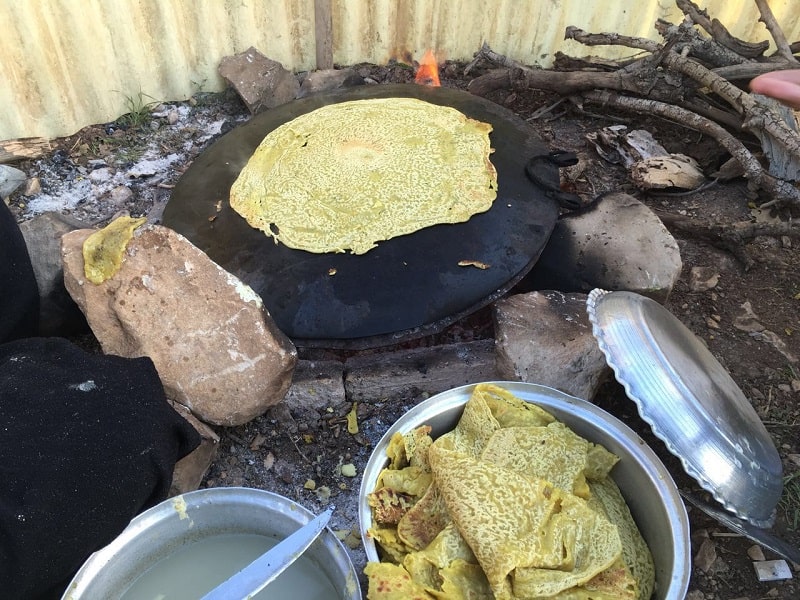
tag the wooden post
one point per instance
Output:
(323, 33)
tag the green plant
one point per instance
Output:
(138, 109)
(790, 500)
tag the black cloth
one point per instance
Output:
(19, 294)
(87, 441)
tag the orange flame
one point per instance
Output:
(428, 71)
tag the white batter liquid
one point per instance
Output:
(196, 569)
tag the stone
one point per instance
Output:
(58, 314)
(662, 172)
(394, 375)
(546, 338)
(706, 555)
(32, 187)
(120, 195)
(190, 470)
(618, 244)
(328, 80)
(755, 553)
(316, 384)
(10, 179)
(261, 82)
(216, 349)
(702, 279)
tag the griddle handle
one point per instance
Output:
(538, 169)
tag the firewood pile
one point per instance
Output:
(695, 76)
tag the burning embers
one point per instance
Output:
(428, 71)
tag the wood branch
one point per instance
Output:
(731, 237)
(707, 50)
(23, 149)
(638, 77)
(718, 31)
(699, 104)
(781, 191)
(487, 54)
(695, 13)
(554, 81)
(610, 39)
(564, 62)
(748, 71)
(775, 30)
(755, 115)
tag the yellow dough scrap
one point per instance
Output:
(103, 250)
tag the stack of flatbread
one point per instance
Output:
(511, 504)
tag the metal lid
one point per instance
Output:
(690, 402)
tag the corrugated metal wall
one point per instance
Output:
(66, 64)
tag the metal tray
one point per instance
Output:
(690, 402)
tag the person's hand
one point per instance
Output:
(784, 86)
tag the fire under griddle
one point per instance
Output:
(409, 286)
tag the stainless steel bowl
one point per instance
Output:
(645, 483)
(169, 526)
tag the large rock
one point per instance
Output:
(10, 180)
(261, 82)
(329, 80)
(546, 338)
(619, 244)
(59, 316)
(215, 346)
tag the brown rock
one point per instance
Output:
(546, 338)
(328, 80)
(702, 279)
(261, 82)
(706, 556)
(215, 346)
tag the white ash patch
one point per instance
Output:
(144, 164)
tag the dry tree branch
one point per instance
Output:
(768, 18)
(486, 53)
(687, 39)
(672, 83)
(753, 171)
(755, 114)
(732, 236)
(719, 33)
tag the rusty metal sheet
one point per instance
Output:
(70, 64)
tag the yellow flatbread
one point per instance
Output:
(348, 175)
(517, 506)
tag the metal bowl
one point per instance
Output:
(642, 478)
(166, 528)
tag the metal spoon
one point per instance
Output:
(259, 573)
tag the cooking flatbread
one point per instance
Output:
(348, 175)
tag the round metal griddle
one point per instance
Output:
(408, 286)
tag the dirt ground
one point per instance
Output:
(285, 452)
